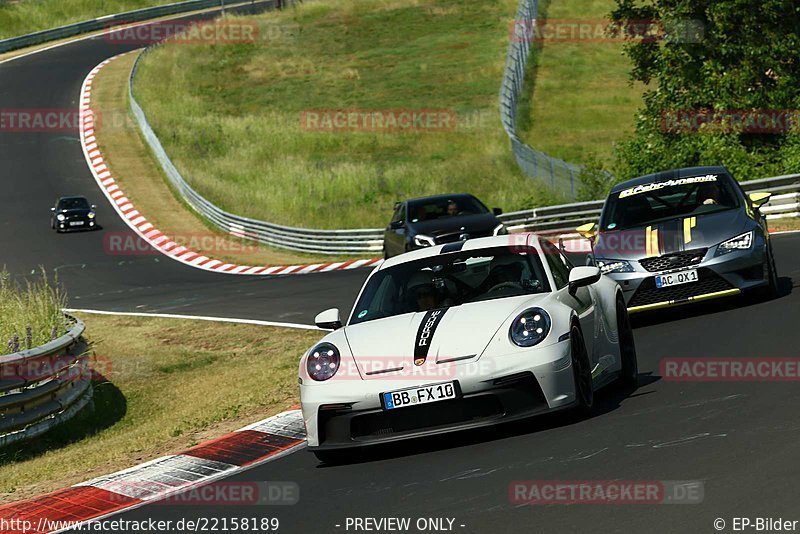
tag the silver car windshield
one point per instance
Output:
(450, 280)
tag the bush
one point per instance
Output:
(30, 314)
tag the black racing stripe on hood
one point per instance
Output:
(670, 236)
(427, 328)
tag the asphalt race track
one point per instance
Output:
(38, 167)
(738, 438)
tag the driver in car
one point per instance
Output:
(452, 209)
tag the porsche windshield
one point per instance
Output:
(450, 280)
(655, 202)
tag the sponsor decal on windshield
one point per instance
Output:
(655, 186)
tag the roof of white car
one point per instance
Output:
(526, 240)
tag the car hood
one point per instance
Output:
(467, 223)
(673, 236)
(458, 334)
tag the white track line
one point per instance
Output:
(197, 318)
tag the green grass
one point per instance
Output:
(165, 385)
(18, 17)
(31, 308)
(581, 102)
(229, 115)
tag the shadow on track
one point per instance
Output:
(677, 313)
(108, 406)
(606, 400)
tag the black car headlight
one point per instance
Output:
(530, 327)
(740, 242)
(323, 362)
(614, 266)
(424, 240)
(90, 215)
(61, 217)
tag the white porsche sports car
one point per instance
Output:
(463, 335)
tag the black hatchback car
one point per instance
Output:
(72, 213)
(430, 221)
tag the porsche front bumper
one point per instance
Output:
(509, 387)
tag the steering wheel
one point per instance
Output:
(504, 285)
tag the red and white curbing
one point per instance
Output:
(152, 235)
(161, 478)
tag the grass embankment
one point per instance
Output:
(230, 115)
(18, 17)
(138, 174)
(168, 387)
(581, 101)
(30, 313)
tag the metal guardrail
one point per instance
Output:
(109, 21)
(43, 386)
(535, 164)
(359, 241)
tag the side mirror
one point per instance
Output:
(328, 320)
(589, 231)
(497, 211)
(581, 277)
(396, 225)
(94, 207)
(759, 199)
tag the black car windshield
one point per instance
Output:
(450, 280)
(444, 207)
(655, 202)
(77, 203)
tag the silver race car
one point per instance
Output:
(463, 335)
(683, 236)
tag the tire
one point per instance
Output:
(629, 373)
(582, 373)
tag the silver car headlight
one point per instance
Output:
(614, 266)
(530, 327)
(424, 240)
(323, 361)
(61, 217)
(740, 242)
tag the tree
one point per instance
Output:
(718, 66)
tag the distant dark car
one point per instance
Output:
(437, 220)
(72, 213)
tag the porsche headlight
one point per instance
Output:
(61, 217)
(614, 266)
(530, 327)
(740, 242)
(323, 362)
(424, 240)
(91, 215)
